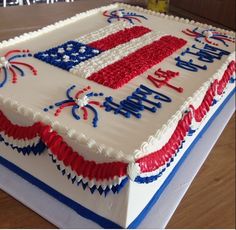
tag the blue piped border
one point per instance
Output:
(86, 213)
(154, 199)
(102, 191)
(36, 148)
(81, 210)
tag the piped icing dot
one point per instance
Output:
(133, 170)
(12, 68)
(79, 103)
(82, 101)
(208, 33)
(119, 14)
(61, 50)
(66, 58)
(4, 63)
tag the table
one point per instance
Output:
(209, 203)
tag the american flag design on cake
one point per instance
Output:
(113, 55)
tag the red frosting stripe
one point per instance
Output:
(59, 148)
(222, 83)
(17, 132)
(159, 158)
(105, 171)
(82, 167)
(136, 63)
(119, 38)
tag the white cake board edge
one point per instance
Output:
(64, 217)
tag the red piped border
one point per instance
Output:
(59, 148)
(158, 158)
(106, 171)
(18, 132)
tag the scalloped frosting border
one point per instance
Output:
(114, 173)
(168, 129)
(147, 146)
(159, 158)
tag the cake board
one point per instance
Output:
(63, 217)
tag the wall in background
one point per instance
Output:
(211, 11)
(134, 2)
(218, 11)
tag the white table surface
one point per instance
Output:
(64, 217)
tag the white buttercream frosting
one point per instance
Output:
(82, 101)
(103, 32)
(111, 140)
(208, 33)
(133, 170)
(4, 63)
(86, 68)
(104, 148)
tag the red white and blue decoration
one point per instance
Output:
(11, 67)
(121, 14)
(82, 102)
(112, 59)
(209, 36)
(35, 139)
(67, 55)
(103, 188)
(109, 176)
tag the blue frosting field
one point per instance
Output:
(67, 55)
(81, 210)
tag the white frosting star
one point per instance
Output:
(4, 63)
(119, 14)
(208, 34)
(61, 50)
(133, 170)
(66, 58)
(83, 101)
(82, 49)
(95, 51)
